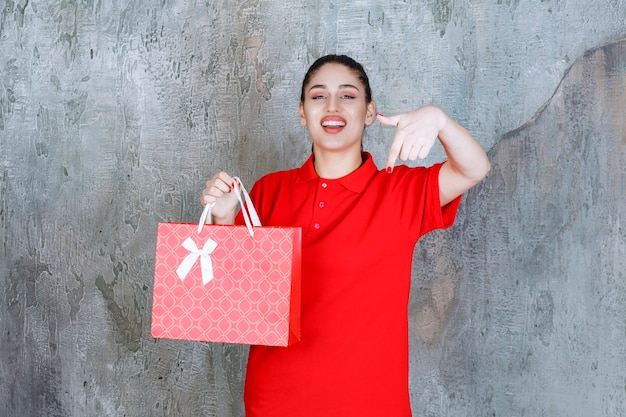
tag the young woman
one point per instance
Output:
(359, 229)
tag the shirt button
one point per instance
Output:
(316, 226)
(324, 185)
(322, 204)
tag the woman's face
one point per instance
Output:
(335, 110)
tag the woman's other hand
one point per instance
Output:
(416, 133)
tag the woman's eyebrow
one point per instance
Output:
(324, 87)
(349, 86)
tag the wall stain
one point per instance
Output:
(19, 15)
(66, 20)
(75, 107)
(442, 13)
(16, 11)
(75, 296)
(132, 216)
(254, 45)
(7, 94)
(509, 3)
(46, 131)
(4, 212)
(21, 291)
(542, 317)
(129, 332)
(431, 315)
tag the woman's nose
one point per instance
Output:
(332, 104)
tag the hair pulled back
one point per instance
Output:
(344, 60)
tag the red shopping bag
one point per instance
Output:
(232, 284)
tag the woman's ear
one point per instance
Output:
(302, 117)
(370, 113)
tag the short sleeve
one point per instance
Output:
(415, 193)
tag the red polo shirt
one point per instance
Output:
(358, 236)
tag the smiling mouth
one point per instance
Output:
(333, 123)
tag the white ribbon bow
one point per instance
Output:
(206, 265)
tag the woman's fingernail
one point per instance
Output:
(379, 114)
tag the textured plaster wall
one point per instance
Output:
(112, 115)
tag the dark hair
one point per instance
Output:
(344, 60)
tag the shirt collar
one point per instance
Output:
(355, 181)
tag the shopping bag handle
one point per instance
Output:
(250, 215)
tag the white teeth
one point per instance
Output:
(333, 123)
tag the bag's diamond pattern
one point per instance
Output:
(250, 298)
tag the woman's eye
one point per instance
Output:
(323, 96)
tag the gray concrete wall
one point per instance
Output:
(113, 114)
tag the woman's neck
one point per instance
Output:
(333, 165)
